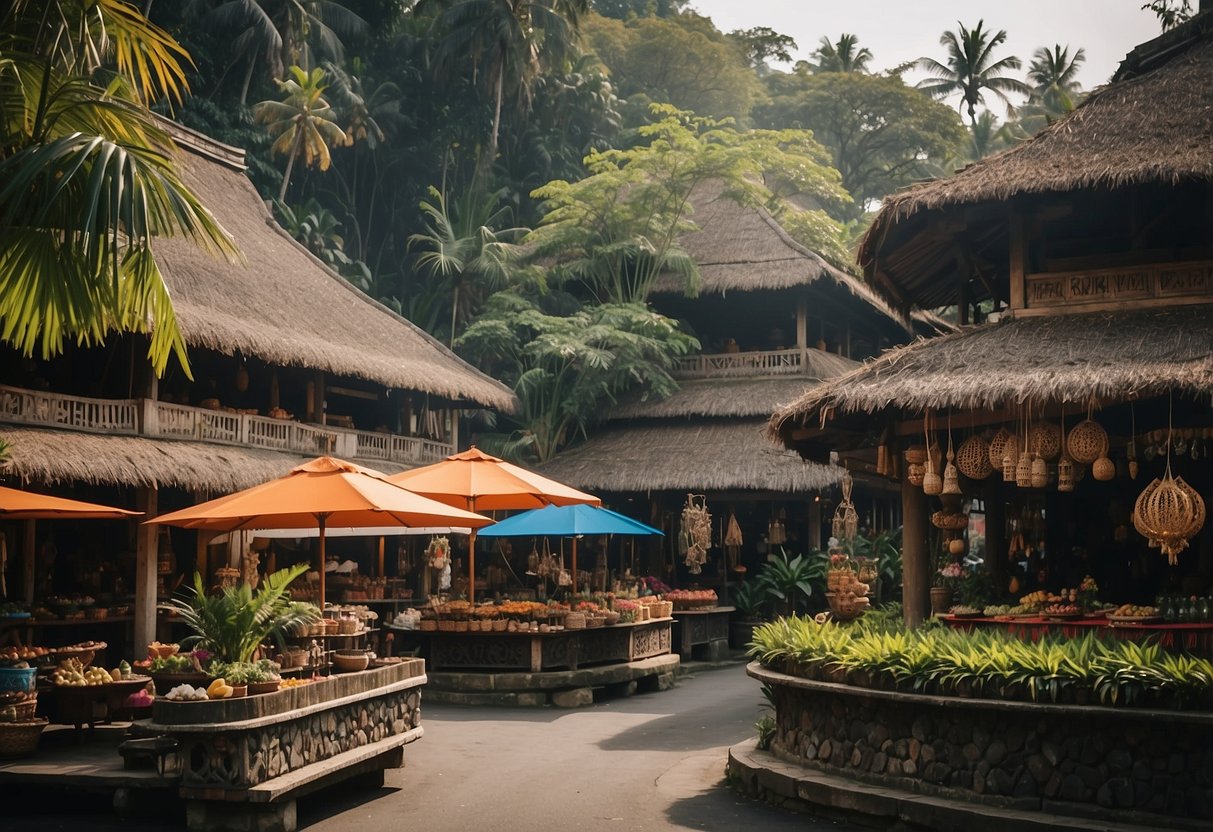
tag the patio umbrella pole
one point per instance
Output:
(472, 567)
(321, 518)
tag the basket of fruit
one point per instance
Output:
(964, 611)
(1062, 612)
(1134, 614)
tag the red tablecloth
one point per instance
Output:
(1195, 638)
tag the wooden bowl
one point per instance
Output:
(350, 661)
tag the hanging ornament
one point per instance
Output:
(932, 482)
(1131, 451)
(1169, 512)
(1088, 441)
(1023, 468)
(1065, 468)
(1010, 458)
(845, 525)
(1040, 473)
(1103, 469)
(241, 378)
(951, 477)
(998, 447)
(1045, 440)
(973, 458)
(915, 456)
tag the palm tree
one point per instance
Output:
(302, 123)
(87, 177)
(987, 136)
(843, 56)
(1053, 75)
(971, 69)
(466, 244)
(275, 34)
(509, 42)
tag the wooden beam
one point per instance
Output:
(915, 555)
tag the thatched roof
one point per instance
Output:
(284, 306)
(53, 456)
(733, 397)
(1153, 124)
(742, 248)
(698, 456)
(1055, 358)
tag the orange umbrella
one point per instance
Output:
(477, 481)
(26, 505)
(325, 491)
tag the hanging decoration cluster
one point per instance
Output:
(845, 525)
(696, 531)
(1169, 512)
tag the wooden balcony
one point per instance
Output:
(162, 420)
(740, 364)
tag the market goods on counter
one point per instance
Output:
(219, 689)
(294, 683)
(964, 610)
(1135, 611)
(997, 609)
(187, 693)
(21, 654)
(72, 673)
(692, 598)
(1062, 609)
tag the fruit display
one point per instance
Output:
(11, 655)
(964, 610)
(187, 693)
(220, 689)
(294, 683)
(1135, 611)
(1062, 609)
(73, 673)
(994, 610)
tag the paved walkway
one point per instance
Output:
(650, 762)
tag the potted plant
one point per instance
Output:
(233, 623)
(947, 579)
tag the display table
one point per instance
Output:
(537, 652)
(703, 628)
(1195, 638)
(91, 704)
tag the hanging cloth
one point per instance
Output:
(732, 543)
(697, 528)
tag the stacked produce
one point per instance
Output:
(692, 599)
(847, 594)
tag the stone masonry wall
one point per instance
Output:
(1001, 753)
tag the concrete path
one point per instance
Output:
(650, 762)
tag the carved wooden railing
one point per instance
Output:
(146, 417)
(732, 364)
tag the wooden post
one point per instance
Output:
(814, 524)
(915, 557)
(802, 333)
(29, 563)
(275, 397)
(380, 573)
(202, 555)
(1019, 261)
(145, 570)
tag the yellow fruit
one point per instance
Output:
(214, 691)
(116, 675)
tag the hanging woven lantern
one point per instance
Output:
(1040, 473)
(1087, 442)
(846, 520)
(951, 477)
(1065, 474)
(1103, 469)
(914, 473)
(915, 454)
(998, 447)
(932, 483)
(1132, 469)
(973, 458)
(1045, 440)
(1023, 470)
(1169, 512)
(1010, 458)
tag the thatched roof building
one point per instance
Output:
(680, 456)
(283, 305)
(1058, 358)
(1153, 125)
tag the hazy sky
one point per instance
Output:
(898, 31)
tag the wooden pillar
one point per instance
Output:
(915, 556)
(1019, 261)
(455, 413)
(996, 532)
(145, 570)
(29, 561)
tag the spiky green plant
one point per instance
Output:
(233, 623)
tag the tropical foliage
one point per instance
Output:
(87, 177)
(232, 623)
(986, 663)
(970, 69)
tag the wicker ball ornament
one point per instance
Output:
(951, 477)
(998, 447)
(1087, 442)
(1168, 513)
(915, 454)
(1103, 469)
(932, 483)
(973, 458)
(914, 473)
(1044, 440)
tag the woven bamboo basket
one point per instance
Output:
(667, 609)
(915, 454)
(20, 712)
(998, 447)
(973, 458)
(1103, 469)
(500, 625)
(1087, 442)
(1010, 458)
(594, 621)
(914, 473)
(1040, 473)
(20, 739)
(575, 621)
(1044, 440)
(1065, 474)
(428, 625)
(1023, 470)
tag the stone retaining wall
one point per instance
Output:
(1029, 756)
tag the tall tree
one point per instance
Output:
(1170, 13)
(881, 133)
(762, 43)
(1053, 75)
(844, 55)
(303, 123)
(509, 42)
(971, 70)
(87, 178)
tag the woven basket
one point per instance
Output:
(347, 626)
(998, 447)
(428, 625)
(21, 712)
(667, 609)
(916, 454)
(592, 621)
(1087, 442)
(500, 625)
(1103, 469)
(1010, 458)
(1044, 440)
(446, 626)
(612, 618)
(973, 458)
(1065, 474)
(575, 621)
(20, 739)
(914, 473)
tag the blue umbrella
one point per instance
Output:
(568, 521)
